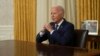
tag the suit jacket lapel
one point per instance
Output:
(62, 25)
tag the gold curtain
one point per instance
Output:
(25, 20)
(87, 10)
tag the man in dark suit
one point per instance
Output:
(59, 31)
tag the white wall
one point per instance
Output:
(6, 19)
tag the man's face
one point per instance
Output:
(56, 14)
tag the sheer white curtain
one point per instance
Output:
(43, 11)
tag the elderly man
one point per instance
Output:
(59, 31)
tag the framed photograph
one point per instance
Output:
(91, 25)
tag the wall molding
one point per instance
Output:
(6, 32)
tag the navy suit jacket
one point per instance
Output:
(63, 36)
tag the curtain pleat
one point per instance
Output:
(25, 20)
(87, 10)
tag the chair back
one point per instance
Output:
(81, 37)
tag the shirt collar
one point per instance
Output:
(60, 22)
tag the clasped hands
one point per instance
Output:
(48, 27)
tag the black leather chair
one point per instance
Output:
(81, 37)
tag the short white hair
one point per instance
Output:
(59, 7)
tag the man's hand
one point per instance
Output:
(48, 27)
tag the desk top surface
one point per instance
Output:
(23, 48)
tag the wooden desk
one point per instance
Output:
(23, 48)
